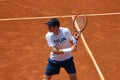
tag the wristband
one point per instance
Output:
(67, 50)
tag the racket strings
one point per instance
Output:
(80, 22)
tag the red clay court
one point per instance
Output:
(23, 48)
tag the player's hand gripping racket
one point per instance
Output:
(79, 24)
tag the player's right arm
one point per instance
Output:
(55, 50)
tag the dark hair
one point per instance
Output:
(53, 22)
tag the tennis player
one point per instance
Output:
(58, 39)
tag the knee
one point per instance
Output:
(73, 76)
(47, 77)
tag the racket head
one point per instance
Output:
(79, 23)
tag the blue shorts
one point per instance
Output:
(53, 66)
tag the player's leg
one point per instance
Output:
(47, 77)
(73, 76)
(51, 69)
(70, 68)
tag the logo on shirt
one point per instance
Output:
(57, 41)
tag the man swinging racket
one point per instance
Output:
(58, 39)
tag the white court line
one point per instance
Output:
(3, 0)
(91, 56)
(103, 14)
(33, 18)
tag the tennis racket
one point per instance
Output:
(79, 23)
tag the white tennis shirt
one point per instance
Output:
(61, 41)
